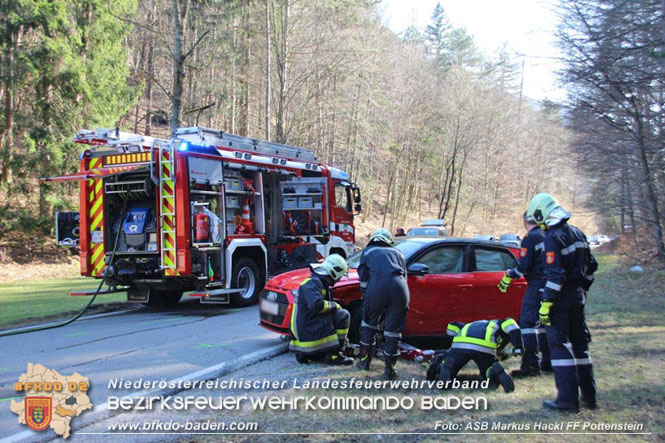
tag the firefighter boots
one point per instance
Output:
(499, 376)
(389, 371)
(365, 357)
(338, 359)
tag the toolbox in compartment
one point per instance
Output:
(305, 203)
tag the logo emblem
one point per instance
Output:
(522, 252)
(38, 412)
(549, 257)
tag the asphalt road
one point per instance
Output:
(148, 343)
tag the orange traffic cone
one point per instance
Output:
(247, 227)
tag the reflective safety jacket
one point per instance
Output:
(485, 335)
(568, 260)
(311, 323)
(532, 256)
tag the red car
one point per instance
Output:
(450, 279)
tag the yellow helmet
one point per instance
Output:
(383, 235)
(334, 266)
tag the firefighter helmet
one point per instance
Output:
(545, 210)
(334, 266)
(381, 235)
(540, 206)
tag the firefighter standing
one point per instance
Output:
(320, 325)
(382, 273)
(530, 266)
(479, 341)
(569, 269)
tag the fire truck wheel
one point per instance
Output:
(246, 275)
(356, 311)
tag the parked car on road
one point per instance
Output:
(422, 231)
(450, 279)
(511, 239)
(485, 237)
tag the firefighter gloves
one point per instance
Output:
(504, 283)
(544, 313)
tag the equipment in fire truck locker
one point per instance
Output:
(302, 207)
(242, 210)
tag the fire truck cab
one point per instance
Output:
(206, 211)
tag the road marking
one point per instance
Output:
(9, 398)
(102, 412)
(76, 334)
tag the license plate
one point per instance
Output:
(269, 307)
(97, 237)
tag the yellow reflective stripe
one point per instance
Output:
(489, 330)
(305, 281)
(465, 329)
(293, 321)
(453, 328)
(311, 344)
(95, 206)
(507, 323)
(475, 341)
(342, 331)
(327, 307)
(98, 250)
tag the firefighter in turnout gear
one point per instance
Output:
(569, 269)
(382, 273)
(318, 324)
(530, 266)
(481, 341)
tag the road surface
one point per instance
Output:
(148, 343)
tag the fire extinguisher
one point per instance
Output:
(202, 223)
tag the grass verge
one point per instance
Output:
(30, 302)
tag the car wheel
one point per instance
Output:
(246, 276)
(356, 311)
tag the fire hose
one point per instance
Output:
(92, 300)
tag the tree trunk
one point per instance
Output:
(268, 92)
(179, 19)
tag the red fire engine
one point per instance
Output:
(206, 211)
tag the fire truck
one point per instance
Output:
(206, 211)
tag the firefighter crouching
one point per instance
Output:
(318, 324)
(479, 341)
(382, 273)
(569, 269)
(530, 266)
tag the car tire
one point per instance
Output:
(356, 311)
(246, 275)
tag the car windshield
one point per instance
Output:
(422, 231)
(407, 248)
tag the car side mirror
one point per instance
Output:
(358, 208)
(418, 269)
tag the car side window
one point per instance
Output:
(488, 260)
(445, 260)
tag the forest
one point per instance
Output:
(426, 123)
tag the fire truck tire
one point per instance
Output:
(246, 275)
(356, 311)
(164, 298)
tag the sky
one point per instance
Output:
(527, 26)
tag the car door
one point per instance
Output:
(489, 266)
(440, 295)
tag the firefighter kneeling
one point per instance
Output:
(318, 324)
(479, 341)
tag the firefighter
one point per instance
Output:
(318, 324)
(382, 273)
(479, 341)
(569, 269)
(530, 266)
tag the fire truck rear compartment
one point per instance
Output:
(131, 209)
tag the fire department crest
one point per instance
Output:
(51, 399)
(38, 412)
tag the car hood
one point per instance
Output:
(292, 279)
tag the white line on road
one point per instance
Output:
(102, 412)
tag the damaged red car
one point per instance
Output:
(450, 279)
